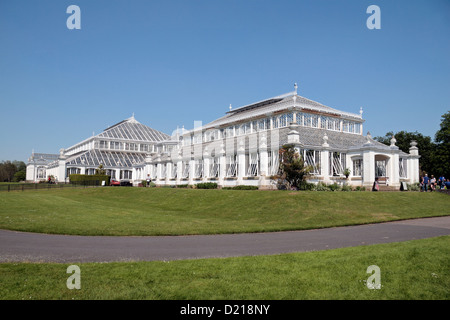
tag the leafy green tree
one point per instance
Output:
(442, 154)
(20, 176)
(7, 171)
(292, 170)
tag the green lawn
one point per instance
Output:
(165, 211)
(418, 270)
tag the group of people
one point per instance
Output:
(427, 183)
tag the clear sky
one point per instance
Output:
(175, 62)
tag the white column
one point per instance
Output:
(191, 171)
(222, 164)
(413, 163)
(61, 173)
(241, 162)
(263, 157)
(179, 169)
(394, 175)
(368, 167)
(169, 167)
(325, 165)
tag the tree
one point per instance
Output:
(100, 170)
(424, 143)
(442, 154)
(7, 171)
(293, 170)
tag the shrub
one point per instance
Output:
(321, 187)
(346, 188)
(413, 187)
(207, 185)
(182, 186)
(359, 188)
(241, 188)
(334, 187)
(306, 186)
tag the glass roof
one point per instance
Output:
(107, 159)
(131, 129)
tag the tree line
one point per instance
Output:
(13, 171)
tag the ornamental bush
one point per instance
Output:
(241, 188)
(321, 187)
(346, 188)
(306, 186)
(207, 185)
(334, 187)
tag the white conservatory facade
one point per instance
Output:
(240, 148)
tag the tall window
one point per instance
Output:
(275, 123)
(289, 118)
(214, 168)
(311, 158)
(283, 120)
(174, 171)
(323, 122)
(358, 167)
(264, 124)
(231, 166)
(314, 120)
(253, 166)
(337, 163)
(307, 119)
(300, 118)
(185, 171)
(198, 168)
(351, 127)
(274, 162)
(163, 171)
(345, 126)
(402, 168)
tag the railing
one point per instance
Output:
(8, 187)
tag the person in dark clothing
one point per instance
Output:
(426, 181)
(375, 186)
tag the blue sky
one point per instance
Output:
(174, 62)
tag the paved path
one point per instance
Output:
(34, 247)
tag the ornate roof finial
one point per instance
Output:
(230, 107)
(393, 141)
(361, 111)
(295, 87)
(325, 140)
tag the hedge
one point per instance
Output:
(85, 179)
(243, 187)
(207, 185)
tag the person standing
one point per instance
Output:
(149, 180)
(426, 181)
(375, 186)
(441, 181)
(432, 183)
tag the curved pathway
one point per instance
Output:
(35, 247)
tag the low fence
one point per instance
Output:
(47, 186)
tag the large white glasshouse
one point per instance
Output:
(240, 148)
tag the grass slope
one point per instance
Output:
(165, 211)
(418, 270)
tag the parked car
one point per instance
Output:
(114, 182)
(126, 183)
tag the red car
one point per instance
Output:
(114, 182)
